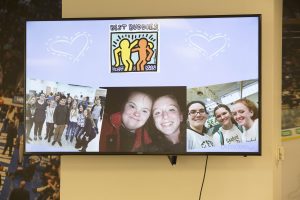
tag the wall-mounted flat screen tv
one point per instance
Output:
(184, 85)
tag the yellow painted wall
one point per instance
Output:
(152, 177)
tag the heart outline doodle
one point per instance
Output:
(209, 39)
(69, 41)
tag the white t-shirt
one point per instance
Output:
(49, 114)
(231, 136)
(251, 134)
(196, 141)
(73, 115)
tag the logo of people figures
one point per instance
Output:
(134, 52)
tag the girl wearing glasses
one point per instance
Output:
(245, 113)
(197, 137)
(229, 132)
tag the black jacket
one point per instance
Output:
(40, 112)
(61, 115)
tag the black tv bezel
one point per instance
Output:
(259, 34)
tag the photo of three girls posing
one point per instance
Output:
(236, 125)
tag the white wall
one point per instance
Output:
(152, 177)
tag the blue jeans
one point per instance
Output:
(96, 125)
(71, 129)
(78, 131)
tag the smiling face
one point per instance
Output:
(57, 98)
(74, 105)
(223, 116)
(42, 97)
(32, 100)
(167, 115)
(242, 115)
(62, 101)
(80, 108)
(136, 111)
(197, 116)
(98, 102)
(85, 113)
(69, 100)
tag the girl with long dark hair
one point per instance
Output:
(30, 111)
(229, 132)
(168, 118)
(197, 137)
(88, 130)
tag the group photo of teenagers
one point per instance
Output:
(221, 116)
(63, 117)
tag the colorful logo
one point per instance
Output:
(134, 51)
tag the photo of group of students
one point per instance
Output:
(147, 120)
(62, 121)
(235, 123)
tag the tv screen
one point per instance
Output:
(184, 85)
